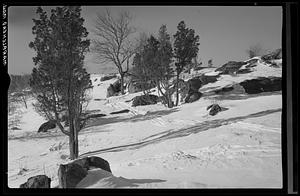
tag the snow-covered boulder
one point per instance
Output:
(39, 181)
(72, 173)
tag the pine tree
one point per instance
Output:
(185, 49)
(59, 81)
(164, 71)
(145, 67)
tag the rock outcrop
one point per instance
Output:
(262, 84)
(39, 181)
(230, 67)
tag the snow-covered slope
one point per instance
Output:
(157, 147)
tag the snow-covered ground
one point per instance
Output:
(156, 147)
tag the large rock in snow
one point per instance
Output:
(194, 85)
(114, 89)
(108, 77)
(46, 126)
(144, 100)
(214, 109)
(262, 84)
(71, 174)
(39, 181)
(191, 97)
(230, 67)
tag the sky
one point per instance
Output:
(225, 32)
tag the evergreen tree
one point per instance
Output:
(164, 71)
(59, 81)
(145, 67)
(185, 49)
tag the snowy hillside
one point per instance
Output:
(156, 147)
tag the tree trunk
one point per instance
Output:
(73, 138)
(122, 83)
(76, 130)
(177, 90)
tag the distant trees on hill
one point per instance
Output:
(153, 61)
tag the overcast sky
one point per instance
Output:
(225, 32)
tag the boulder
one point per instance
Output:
(230, 67)
(114, 89)
(46, 126)
(194, 85)
(194, 96)
(108, 77)
(72, 173)
(262, 84)
(39, 181)
(144, 100)
(214, 109)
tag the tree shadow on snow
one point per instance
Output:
(171, 134)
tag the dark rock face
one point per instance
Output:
(39, 181)
(108, 77)
(214, 109)
(230, 67)
(191, 97)
(144, 100)
(262, 84)
(72, 173)
(194, 84)
(114, 89)
(46, 126)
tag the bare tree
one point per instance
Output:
(255, 50)
(113, 42)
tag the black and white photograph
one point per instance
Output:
(145, 97)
